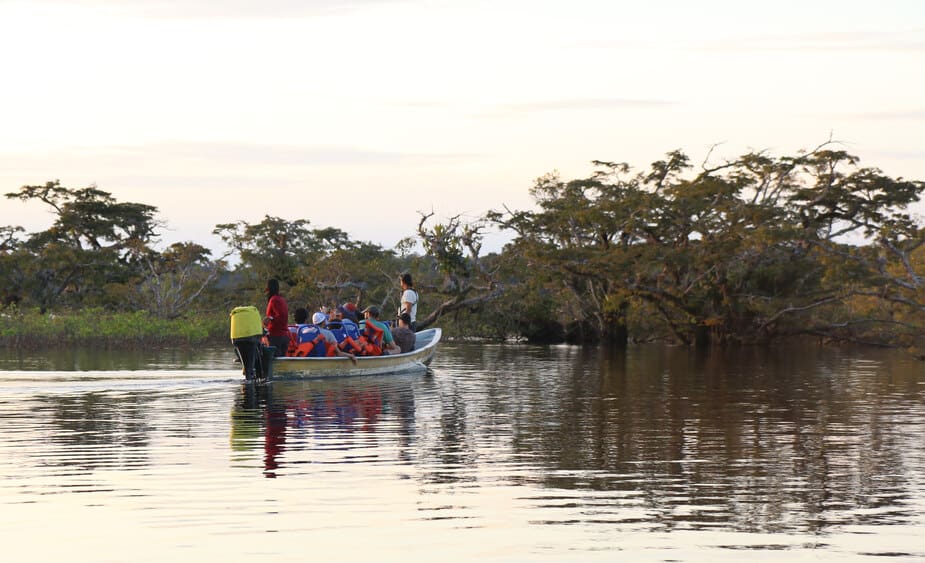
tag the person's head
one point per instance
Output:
(301, 316)
(319, 318)
(405, 280)
(272, 287)
(404, 319)
(336, 314)
(349, 310)
(371, 312)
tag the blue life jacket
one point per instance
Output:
(310, 342)
(343, 328)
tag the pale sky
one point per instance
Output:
(358, 114)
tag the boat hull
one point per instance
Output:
(310, 368)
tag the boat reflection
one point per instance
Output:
(305, 421)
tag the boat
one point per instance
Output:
(416, 360)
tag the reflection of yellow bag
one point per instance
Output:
(245, 321)
(246, 432)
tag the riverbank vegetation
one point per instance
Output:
(752, 249)
(94, 326)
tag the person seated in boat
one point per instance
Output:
(320, 320)
(375, 336)
(349, 311)
(313, 341)
(345, 330)
(402, 334)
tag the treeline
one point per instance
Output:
(748, 250)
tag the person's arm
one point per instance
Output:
(271, 312)
(347, 355)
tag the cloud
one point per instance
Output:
(898, 115)
(233, 154)
(565, 105)
(253, 153)
(225, 9)
(910, 41)
(911, 155)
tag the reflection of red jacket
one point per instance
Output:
(279, 310)
(274, 440)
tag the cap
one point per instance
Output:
(372, 310)
(349, 306)
(319, 318)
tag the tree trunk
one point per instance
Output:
(702, 336)
(615, 334)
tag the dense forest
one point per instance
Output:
(747, 250)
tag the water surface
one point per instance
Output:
(499, 453)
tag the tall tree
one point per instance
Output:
(279, 248)
(177, 278)
(94, 241)
(746, 249)
(468, 280)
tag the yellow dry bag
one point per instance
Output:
(245, 321)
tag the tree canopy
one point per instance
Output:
(744, 250)
(748, 249)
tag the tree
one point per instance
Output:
(177, 278)
(279, 248)
(95, 241)
(747, 249)
(468, 281)
(362, 272)
(12, 260)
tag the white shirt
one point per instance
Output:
(410, 296)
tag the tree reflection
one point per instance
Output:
(97, 430)
(751, 439)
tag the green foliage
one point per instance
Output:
(94, 241)
(751, 249)
(97, 327)
(277, 248)
(747, 250)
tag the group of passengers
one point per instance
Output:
(337, 331)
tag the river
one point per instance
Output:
(498, 453)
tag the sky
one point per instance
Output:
(363, 114)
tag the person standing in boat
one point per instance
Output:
(403, 335)
(276, 320)
(409, 299)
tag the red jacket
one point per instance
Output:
(279, 311)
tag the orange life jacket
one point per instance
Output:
(370, 341)
(310, 341)
(293, 342)
(351, 346)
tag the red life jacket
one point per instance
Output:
(293, 342)
(370, 341)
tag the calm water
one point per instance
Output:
(500, 453)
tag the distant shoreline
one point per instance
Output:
(97, 328)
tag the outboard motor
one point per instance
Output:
(246, 331)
